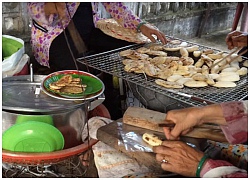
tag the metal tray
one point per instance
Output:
(110, 62)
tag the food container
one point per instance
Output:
(23, 100)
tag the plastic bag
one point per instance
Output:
(18, 68)
(11, 61)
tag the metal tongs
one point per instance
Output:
(228, 56)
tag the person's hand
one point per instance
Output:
(236, 39)
(55, 8)
(180, 158)
(149, 30)
(184, 120)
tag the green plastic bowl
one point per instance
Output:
(32, 136)
(39, 118)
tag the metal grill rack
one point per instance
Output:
(111, 62)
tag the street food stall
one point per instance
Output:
(161, 97)
(29, 95)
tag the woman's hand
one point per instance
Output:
(184, 120)
(149, 30)
(179, 157)
(236, 39)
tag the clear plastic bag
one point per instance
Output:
(132, 141)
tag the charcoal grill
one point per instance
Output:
(159, 98)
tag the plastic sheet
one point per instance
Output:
(132, 141)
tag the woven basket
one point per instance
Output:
(112, 28)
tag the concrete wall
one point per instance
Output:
(181, 20)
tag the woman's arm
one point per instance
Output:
(236, 116)
(180, 158)
(124, 16)
(231, 116)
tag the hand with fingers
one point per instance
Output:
(178, 157)
(185, 119)
(149, 30)
(236, 39)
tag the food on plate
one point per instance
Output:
(64, 80)
(151, 139)
(71, 89)
(68, 84)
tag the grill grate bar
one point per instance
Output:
(110, 62)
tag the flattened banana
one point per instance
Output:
(221, 84)
(199, 77)
(194, 83)
(234, 77)
(214, 76)
(199, 63)
(204, 70)
(245, 63)
(184, 52)
(174, 78)
(215, 56)
(183, 80)
(229, 69)
(192, 48)
(168, 84)
(197, 53)
(171, 48)
(242, 71)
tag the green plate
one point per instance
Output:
(94, 85)
(40, 118)
(32, 136)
